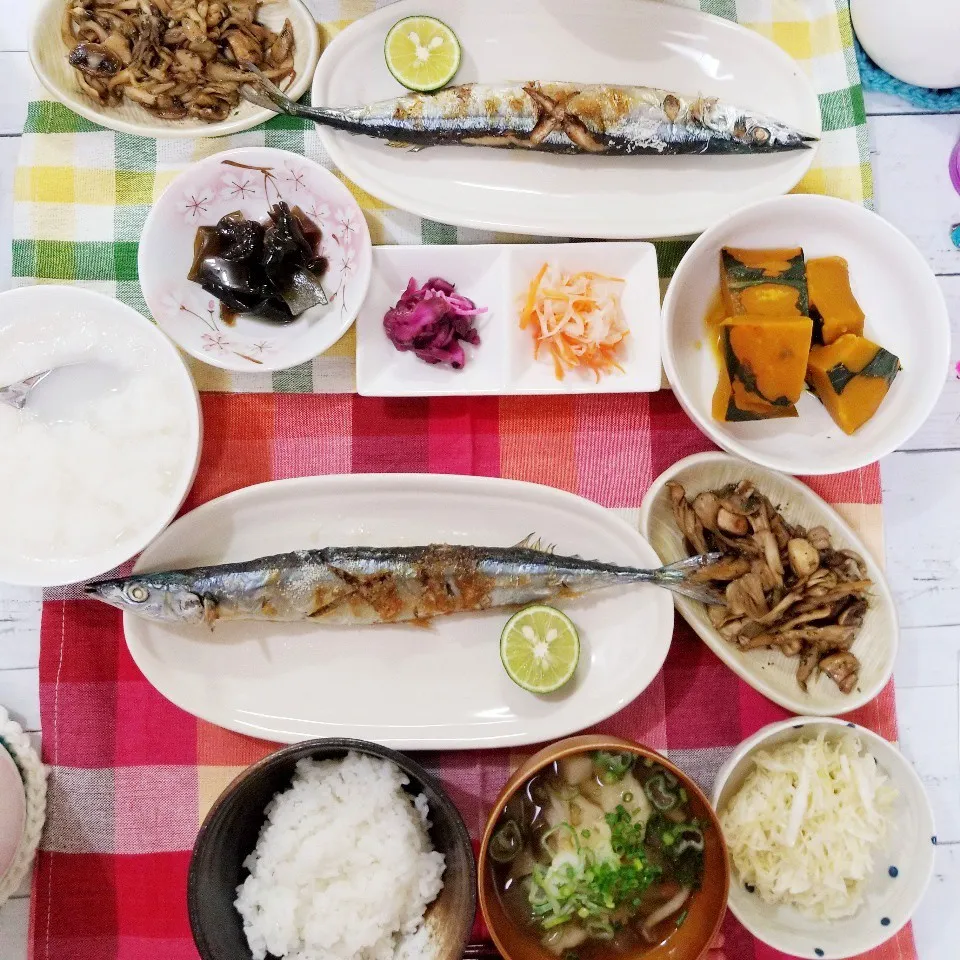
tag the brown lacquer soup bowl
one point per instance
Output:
(637, 799)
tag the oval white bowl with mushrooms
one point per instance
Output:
(788, 564)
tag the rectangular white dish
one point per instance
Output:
(497, 276)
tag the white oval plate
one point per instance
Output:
(48, 54)
(497, 276)
(400, 685)
(604, 41)
(909, 849)
(769, 671)
(905, 312)
(235, 180)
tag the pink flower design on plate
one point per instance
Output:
(296, 179)
(347, 224)
(196, 204)
(344, 260)
(319, 212)
(239, 184)
(215, 343)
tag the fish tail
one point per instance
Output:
(677, 578)
(264, 93)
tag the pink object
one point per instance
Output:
(13, 810)
(955, 167)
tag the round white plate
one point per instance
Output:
(630, 42)
(252, 179)
(402, 685)
(902, 870)
(905, 312)
(48, 54)
(769, 671)
(106, 315)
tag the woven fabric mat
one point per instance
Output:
(82, 193)
(131, 776)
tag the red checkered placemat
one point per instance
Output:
(132, 776)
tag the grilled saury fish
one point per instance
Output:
(366, 585)
(553, 117)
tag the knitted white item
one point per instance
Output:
(34, 776)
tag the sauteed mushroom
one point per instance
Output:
(175, 58)
(786, 588)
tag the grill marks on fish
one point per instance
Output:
(554, 117)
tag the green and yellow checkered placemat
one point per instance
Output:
(82, 193)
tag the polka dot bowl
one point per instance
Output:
(902, 869)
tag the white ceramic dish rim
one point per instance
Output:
(592, 229)
(49, 13)
(906, 771)
(608, 517)
(115, 557)
(733, 445)
(335, 331)
(726, 651)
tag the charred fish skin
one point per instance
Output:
(563, 118)
(370, 585)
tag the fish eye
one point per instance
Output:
(137, 592)
(761, 134)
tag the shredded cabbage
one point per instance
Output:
(805, 826)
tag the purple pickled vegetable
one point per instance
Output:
(432, 320)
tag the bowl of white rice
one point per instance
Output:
(332, 850)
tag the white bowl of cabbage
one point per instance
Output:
(830, 837)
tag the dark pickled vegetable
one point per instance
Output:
(273, 271)
(661, 796)
(506, 843)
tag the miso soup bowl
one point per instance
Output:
(706, 909)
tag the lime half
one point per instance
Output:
(540, 648)
(423, 53)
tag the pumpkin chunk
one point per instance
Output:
(833, 307)
(763, 365)
(851, 376)
(763, 282)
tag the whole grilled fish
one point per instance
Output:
(552, 117)
(366, 585)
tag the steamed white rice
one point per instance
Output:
(344, 868)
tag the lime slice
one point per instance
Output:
(422, 53)
(540, 648)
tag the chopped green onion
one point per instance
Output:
(585, 833)
(612, 767)
(628, 797)
(681, 917)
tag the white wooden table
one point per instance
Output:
(921, 484)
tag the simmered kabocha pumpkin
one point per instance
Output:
(833, 307)
(763, 282)
(851, 376)
(763, 365)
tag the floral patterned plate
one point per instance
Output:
(251, 180)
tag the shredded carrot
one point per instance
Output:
(577, 317)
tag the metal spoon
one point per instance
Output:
(65, 389)
(16, 394)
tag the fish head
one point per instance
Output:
(163, 597)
